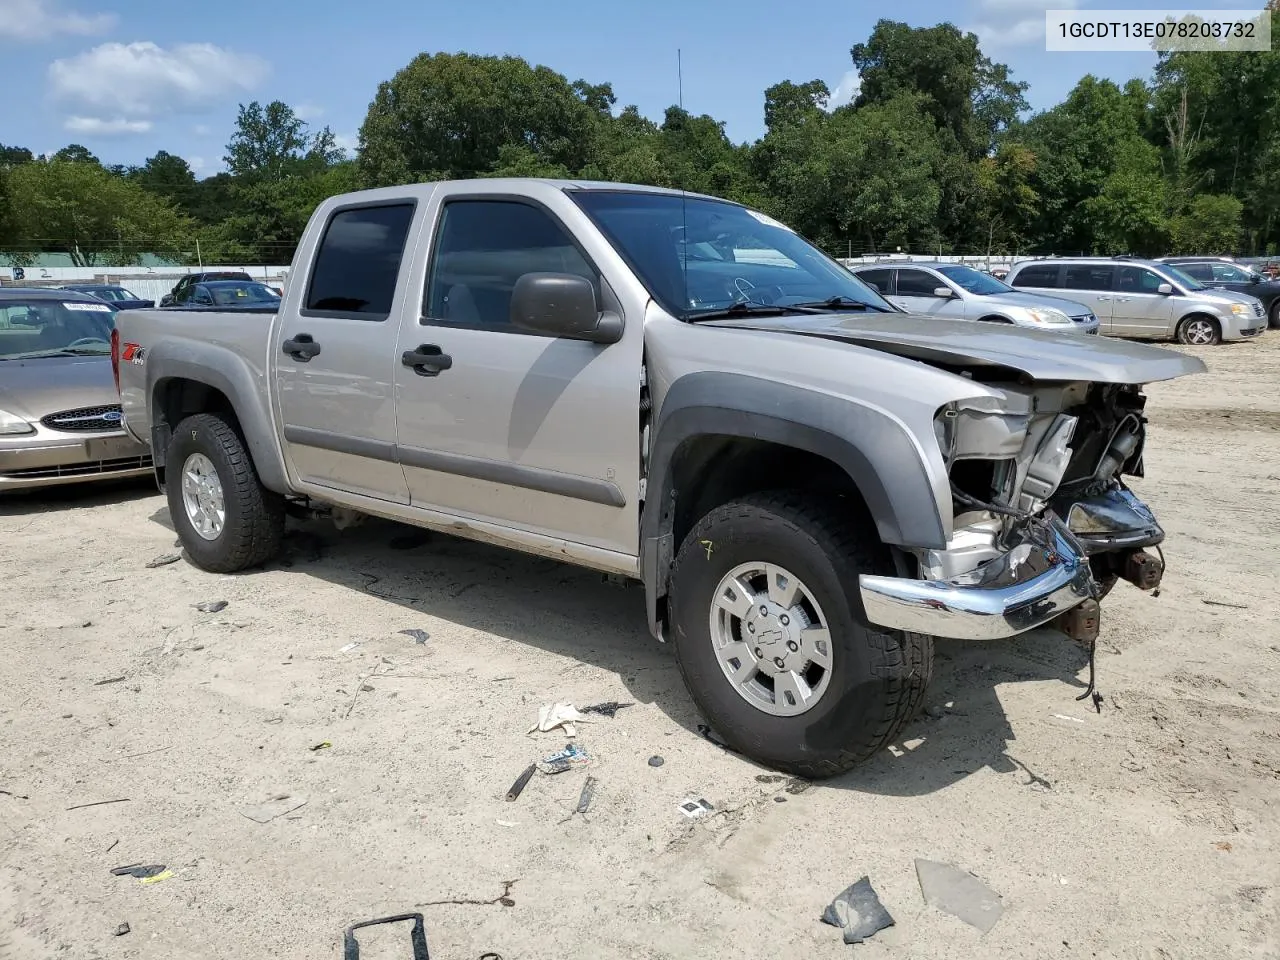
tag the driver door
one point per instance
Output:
(916, 295)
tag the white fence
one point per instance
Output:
(149, 283)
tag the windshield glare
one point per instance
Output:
(38, 327)
(1176, 275)
(975, 281)
(226, 295)
(699, 256)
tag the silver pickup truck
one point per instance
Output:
(811, 484)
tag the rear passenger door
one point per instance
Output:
(1140, 309)
(530, 433)
(916, 294)
(334, 355)
(1092, 284)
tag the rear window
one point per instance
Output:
(358, 261)
(1041, 275)
(1088, 276)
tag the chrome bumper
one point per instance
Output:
(42, 461)
(1045, 575)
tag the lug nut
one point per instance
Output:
(764, 611)
(785, 619)
(751, 628)
(779, 662)
(792, 646)
(759, 655)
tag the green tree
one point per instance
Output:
(80, 209)
(1210, 225)
(12, 156)
(76, 153)
(169, 176)
(272, 142)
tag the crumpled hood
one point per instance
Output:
(1040, 354)
(38, 387)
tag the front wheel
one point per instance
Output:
(1274, 322)
(772, 642)
(225, 518)
(1199, 332)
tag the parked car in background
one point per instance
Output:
(958, 292)
(60, 419)
(1220, 273)
(193, 278)
(1146, 299)
(228, 295)
(111, 293)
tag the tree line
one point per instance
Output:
(935, 154)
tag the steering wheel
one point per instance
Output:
(85, 341)
(748, 292)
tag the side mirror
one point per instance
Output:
(1255, 278)
(1165, 288)
(562, 304)
(943, 293)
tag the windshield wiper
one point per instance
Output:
(60, 352)
(838, 303)
(748, 308)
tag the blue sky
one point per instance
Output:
(129, 77)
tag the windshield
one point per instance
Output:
(1173, 273)
(975, 281)
(233, 294)
(52, 328)
(699, 257)
(112, 293)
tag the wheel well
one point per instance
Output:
(708, 471)
(176, 398)
(1197, 316)
(994, 318)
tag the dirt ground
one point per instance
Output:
(1149, 830)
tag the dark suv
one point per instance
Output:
(1226, 274)
(193, 278)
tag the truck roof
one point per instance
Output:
(509, 184)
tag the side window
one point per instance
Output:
(1226, 273)
(183, 294)
(1040, 275)
(202, 296)
(917, 283)
(481, 249)
(1198, 271)
(878, 280)
(1138, 280)
(1087, 276)
(358, 260)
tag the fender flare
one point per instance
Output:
(876, 452)
(220, 368)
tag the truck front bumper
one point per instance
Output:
(1044, 576)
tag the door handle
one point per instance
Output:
(302, 348)
(427, 361)
(1103, 299)
(1122, 299)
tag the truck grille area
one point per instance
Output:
(85, 419)
(88, 469)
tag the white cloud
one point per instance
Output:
(139, 80)
(348, 143)
(308, 111)
(1013, 23)
(845, 90)
(198, 165)
(106, 128)
(202, 130)
(39, 19)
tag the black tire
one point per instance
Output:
(878, 679)
(1274, 320)
(1217, 331)
(254, 527)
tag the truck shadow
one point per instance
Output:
(98, 493)
(530, 599)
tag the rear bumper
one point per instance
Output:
(44, 462)
(1044, 576)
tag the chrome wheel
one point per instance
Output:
(1200, 332)
(771, 639)
(202, 496)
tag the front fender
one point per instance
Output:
(244, 387)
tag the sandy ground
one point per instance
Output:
(1148, 831)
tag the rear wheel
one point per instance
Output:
(225, 518)
(1199, 331)
(1274, 322)
(772, 642)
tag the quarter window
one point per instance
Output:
(358, 261)
(1041, 275)
(878, 280)
(1087, 276)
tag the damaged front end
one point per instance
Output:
(1044, 524)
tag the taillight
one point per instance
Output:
(115, 358)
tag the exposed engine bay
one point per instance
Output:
(1044, 453)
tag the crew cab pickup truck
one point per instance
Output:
(811, 484)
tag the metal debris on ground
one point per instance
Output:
(584, 798)
(139, 871)
(98, 803)
(553, 715)
(521, 782)
(163, 560)
(608, 709)
(212, 606)
(504, 899)
(656, 761)
(858, 911)
(959, 893)
(354, 644)
(695, 807)
(103, 683)
(16, 796)
(416, 635)
(417, 936)
(160, 877)
(571, 756)
(322, 745)
(275, 807)
(122, 930)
